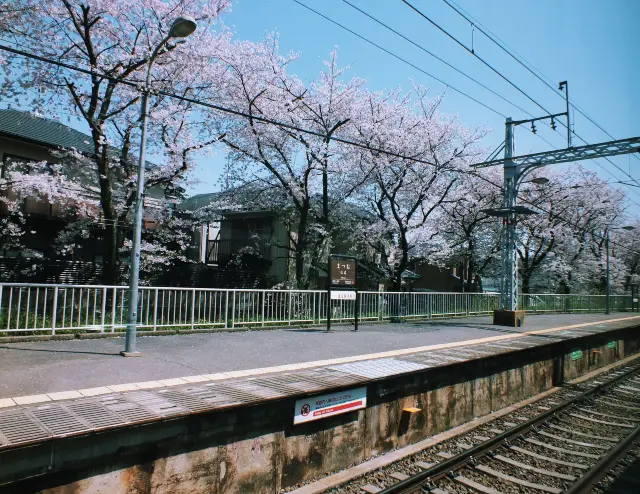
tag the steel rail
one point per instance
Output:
(415, 483)
(590, 479)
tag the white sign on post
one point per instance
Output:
(343, 295)
(322, 406)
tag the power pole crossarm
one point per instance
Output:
(611, 148)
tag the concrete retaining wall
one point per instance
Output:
(259, 450)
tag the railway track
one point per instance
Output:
(559, 447)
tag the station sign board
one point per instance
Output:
(343, 295)
(342, 272)
(327, 405)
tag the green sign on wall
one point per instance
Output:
(576, 355)
(612, 344)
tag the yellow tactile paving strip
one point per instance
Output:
(88, 392)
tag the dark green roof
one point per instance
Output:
(199, 201)
(23, 125)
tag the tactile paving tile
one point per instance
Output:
(377, 368)
(129, 411)
(58, 420)
(16, 426)
(94, 414)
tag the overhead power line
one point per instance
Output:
(398, 57)
(472, 52)
(386, 26)
(219, 108)
(521, 60)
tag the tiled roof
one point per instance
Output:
(48, 132)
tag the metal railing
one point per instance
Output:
(51, 309)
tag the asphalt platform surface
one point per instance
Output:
(52, 366)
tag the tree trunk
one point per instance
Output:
(110, 258)
(302, 281)
(526, 279)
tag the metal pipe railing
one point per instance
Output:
(51, 309)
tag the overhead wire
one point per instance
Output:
(472, 52)
(521, 60)
(386, 26)
(412, 65)
(224, 109)
(220, 108)
(398, 57)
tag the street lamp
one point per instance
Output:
(608, 286)
(180, 28)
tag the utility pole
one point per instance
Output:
(607, 292)
(509, 291)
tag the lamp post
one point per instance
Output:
(607, 307)
(180, 28)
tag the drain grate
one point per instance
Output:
(129, 411)
(211, 395)
(256, 388)
(383, 367)
(155, 403)
(58, 420)
(297, 383)
(331, 376)
(94, 414)
(184, 400)
(232, 393)
(18, 427)
(287, 385)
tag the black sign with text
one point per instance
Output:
(342, 272)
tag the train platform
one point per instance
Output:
(36, 372)
(221, 409)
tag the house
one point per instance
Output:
(259, 240)
(26, 138)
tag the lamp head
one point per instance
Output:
(540, 180)
(183, 27)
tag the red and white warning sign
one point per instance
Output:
(322, 406)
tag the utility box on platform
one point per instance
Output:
(512, 318)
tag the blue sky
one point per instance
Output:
(591, 43)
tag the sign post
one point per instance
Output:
(342, 284)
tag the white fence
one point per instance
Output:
(51, 309)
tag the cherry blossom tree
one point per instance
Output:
(414, 162)
(562, 248)
(474, 236)
(303, 177)
(114, 40)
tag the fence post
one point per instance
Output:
(155, 311)
(233, 309)
(55, 310)
(193, 308)
(264, 298)
(104, 308)
(114, 306)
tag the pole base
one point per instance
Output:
(131, 354)
(511, 318)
